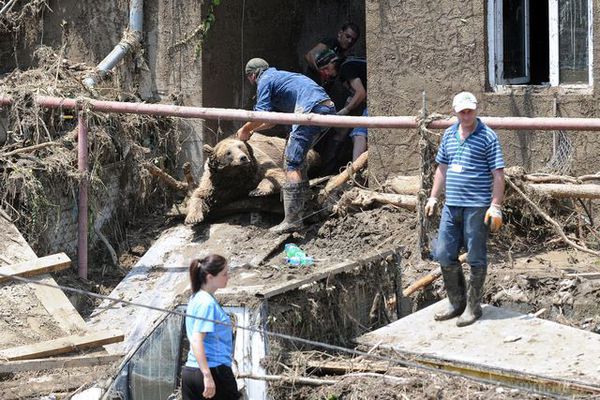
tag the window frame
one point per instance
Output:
(496, 49)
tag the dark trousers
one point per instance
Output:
(192, 384)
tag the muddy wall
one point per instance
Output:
(440, 48)
(338, 309)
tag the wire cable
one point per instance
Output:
(354, 352)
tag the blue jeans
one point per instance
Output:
(301, 140)
(462, 226)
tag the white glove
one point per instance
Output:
(430, 206)
(493, 218)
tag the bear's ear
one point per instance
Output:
(208, 150)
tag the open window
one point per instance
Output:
(545, 42)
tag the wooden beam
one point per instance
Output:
(54, 300)
(561, 191)
(37, 266)
(59, 362)
(62, 345)
(324, 273)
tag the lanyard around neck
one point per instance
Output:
(461, 144)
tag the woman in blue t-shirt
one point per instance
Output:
(207, 373)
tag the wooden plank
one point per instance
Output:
(324, 273)
(59, 362)
(61, 345)
(54, 300)
(58, 305)
(38, 266)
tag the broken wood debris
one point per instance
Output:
(36, 364)
(62, 345)
(38, 266)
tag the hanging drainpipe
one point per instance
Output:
(82, 207)
(131, 38)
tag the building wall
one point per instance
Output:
(440, 48)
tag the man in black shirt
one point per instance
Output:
(353, 74)
(341, 45)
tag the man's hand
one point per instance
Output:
(343, 111)
(209, 386)
(243, 134)
(493, 218)
(430, 206)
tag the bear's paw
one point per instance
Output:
(194, 217)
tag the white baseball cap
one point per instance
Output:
(464, 101)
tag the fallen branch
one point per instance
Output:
(362, 198)
(403, 184)
(561, 191)
(288, 379)
(166, 178)
(547, 178)
(29, 148)
(340, 179)
(111, 250)
(422, 282)
(397, 380)
(555, 224)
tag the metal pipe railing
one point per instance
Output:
(82, 208)
(400, 122)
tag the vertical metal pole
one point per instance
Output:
(82, 231)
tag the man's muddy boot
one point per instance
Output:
(473, 311)
(454, 281)
(294, 197)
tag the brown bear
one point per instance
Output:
(234, 169)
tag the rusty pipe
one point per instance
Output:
(82, 214)
(398, 122)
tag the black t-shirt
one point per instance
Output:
(354, 68)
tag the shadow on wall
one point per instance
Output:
(524, 137)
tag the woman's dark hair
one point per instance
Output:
(201, 267)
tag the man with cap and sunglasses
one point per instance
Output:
(471, 168)
(292, 93)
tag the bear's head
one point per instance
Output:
(228, 153)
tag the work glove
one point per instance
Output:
(493, 218)
(430, 206)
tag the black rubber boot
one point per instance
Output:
(454, 281)
(473, 311)
(294, 197)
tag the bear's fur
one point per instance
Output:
(234, 169)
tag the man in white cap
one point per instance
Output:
(471, 169)
(292, 93)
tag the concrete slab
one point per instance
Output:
(503, 342)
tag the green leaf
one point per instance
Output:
(216, 2)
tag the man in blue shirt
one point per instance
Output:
(471, 168)
(292, 93)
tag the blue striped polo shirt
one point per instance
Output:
(470, 184)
